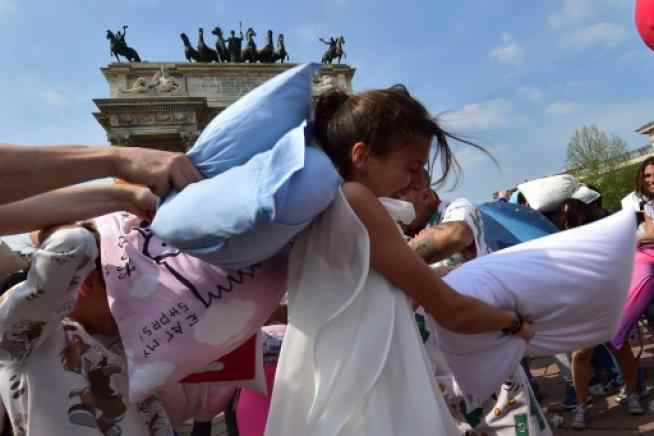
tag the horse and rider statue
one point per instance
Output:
(229, 49)
(334, 50)
(118, 46)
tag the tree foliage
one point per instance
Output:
(592, 152)
(597, 159)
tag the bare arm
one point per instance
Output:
(392, 257)
(441, 241)
(27, 170)
(74, 204)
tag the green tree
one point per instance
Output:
(597, 159)
(592, 152)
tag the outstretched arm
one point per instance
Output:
(392, 257)
(27, 170)
(74, 204)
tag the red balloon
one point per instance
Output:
(645, 21)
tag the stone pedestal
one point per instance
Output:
(166, 105)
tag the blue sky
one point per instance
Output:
(517, 76)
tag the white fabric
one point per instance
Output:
(401, 211)
(633, 201)
(573, 284)
(55, 377)
(548, 193)
(462, 210)
(351, 362)
(585, 194)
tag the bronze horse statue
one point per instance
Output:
(280, 54)
(267, 53)
(250, 53)
(221, 47)
(205, 53)
(119, 47)
(190, 53)
(334, 51)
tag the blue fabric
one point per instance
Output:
(250, 212)
(255, 122)
(507, 224)
(496, 236)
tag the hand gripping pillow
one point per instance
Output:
(250, 212)
(573, 284)
(548, 193)
(255, 122)
(176, 314)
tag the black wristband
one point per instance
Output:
(515, 326)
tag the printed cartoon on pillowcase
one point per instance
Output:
(177, 314)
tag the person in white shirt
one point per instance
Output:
(445, 236)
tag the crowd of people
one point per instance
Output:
(60, 341)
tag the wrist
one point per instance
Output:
(116, 161)
(515, 325)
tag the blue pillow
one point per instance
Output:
(255, 122)
(250, 212)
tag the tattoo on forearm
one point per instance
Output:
(426, 249)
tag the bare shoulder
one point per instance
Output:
(360, 197)
(357, 192)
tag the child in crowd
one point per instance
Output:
(62, 367)
(380, 142)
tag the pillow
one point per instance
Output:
(251, 211)
(255, 122)
(585, 194)
(548, 193)
(573, 284)
(175, 313)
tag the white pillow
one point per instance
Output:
(548, 193)
(573, 284)
(585, 194)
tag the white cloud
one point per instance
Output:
(577, 11)
(54, 97)
(559, 108)
(479, 116)
(530, 93)
(608, 34)
(509, 52)
(573, 11)
(7, 6)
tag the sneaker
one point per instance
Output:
(579, 420)
(633, 405)
(570, 399)
(621, 398)
(604, 390)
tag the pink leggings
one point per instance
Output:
(640, 294)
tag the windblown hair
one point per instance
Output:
(381, 119)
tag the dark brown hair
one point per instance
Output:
(381, 119)
(640, 177)
(574, 213)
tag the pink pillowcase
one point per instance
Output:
(177, 314)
